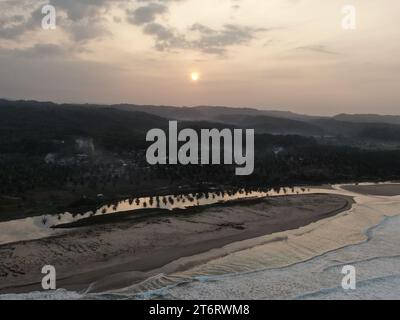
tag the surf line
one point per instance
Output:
(210, 141)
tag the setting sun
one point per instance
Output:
(195, 76)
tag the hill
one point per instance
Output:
(368, 118)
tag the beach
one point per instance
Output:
(386, 190)
(109, 256)
(304, 264)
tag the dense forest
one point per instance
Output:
(53, 155)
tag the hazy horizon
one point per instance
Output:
(290, 55)
(260, 108)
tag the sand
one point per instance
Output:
(118, 254)
(387, 190)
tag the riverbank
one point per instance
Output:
(131, 251)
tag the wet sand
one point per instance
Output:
(387, 190)
(117, 254)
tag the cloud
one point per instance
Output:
(85, 30)
(216, 41)
(197, 37)
(145, 14)
(42, 51)
(83, 9)
(235, 4)
(84, 20)
(202, 38)
(317, 48)
(160, 32)
(38, 51)
(15, 25)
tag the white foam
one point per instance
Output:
(377, 261)
(59, 294)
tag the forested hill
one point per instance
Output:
(56, 120)
(37, 126)
(52, 155)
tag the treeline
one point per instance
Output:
(295, 164)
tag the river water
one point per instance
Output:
(42, 226)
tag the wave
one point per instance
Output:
(378, 274)
(387, 288)
(60, 294)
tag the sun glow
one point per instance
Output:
(195, 76)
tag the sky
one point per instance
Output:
(290, 55)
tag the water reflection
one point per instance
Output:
(43, 226)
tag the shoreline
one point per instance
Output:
(84, 203)
(131, 251)
(386, 190)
